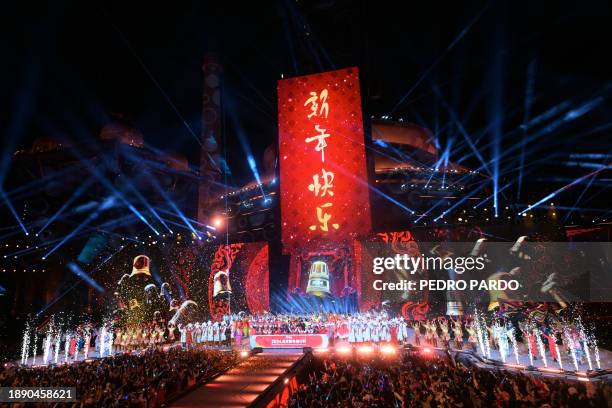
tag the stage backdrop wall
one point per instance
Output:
(190, 269)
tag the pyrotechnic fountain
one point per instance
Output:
(34, 348)
(66, 347)
(102, 342)
(58, 337)
(500, 334)
(540, 343)
(86, 347)
(571, 345)
(596, 351)
(512, 337)
(480, 337)
(109, 346)
(47, 344)
(25, 345)
(559, 357)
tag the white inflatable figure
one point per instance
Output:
(351, 328)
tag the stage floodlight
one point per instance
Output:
(365, 349)
(388, 349)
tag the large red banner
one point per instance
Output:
(289, 340)
(323, 177)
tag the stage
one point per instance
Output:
(283, 344)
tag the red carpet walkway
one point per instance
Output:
(241, 385)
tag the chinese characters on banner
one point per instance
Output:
(323, 178)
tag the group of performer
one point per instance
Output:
(538, 340)
(226, 332)
(135, 337)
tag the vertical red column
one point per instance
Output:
(323, 178)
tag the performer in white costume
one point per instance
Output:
(209, 333)
(351, 325)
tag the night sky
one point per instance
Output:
(67, 67)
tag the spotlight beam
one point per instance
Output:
(602, 216)
(26, 190)
(106, 204)
(78, 282)
(340, 169)
(455, 41)
(76, 269)
(509, 169)
(246, 148)
(528, 101)
(601, 182)
(153, 181)
(512, 148)
(116, 193)
(95, 172)
(569, 207)
(183, 226)
(567, 186)
(240, 94)
(170, 202)
(481, 202)
(548, 114)
(88, 182)
(191, 220)
(156, 165)
(23, 104)
(460, 127)
(451, 208)
(13, 211)
(123, 221)
(580, 196)
(181, 216)
(142, 218)
(579, 111)
(130, 186)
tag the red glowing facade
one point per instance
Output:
(323, 177)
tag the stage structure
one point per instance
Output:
(325, 204)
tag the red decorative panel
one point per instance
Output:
(223, 260)
(257, 282)
(323, 178)
(186, 267)
(246, 265)
(289, 340)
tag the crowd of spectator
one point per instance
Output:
(430, 382)
(139, 380)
